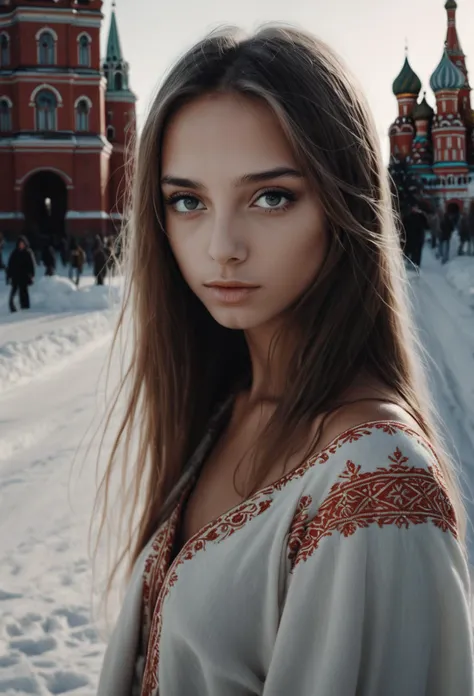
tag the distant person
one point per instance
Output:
(416, 225)
(448, 225)
(21, 273)
(110, 252)
(48, 257)
(470, 222)
(435, 229)
(463, 234)
(77, 259)
(100, 261)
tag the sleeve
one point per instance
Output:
(378, 597)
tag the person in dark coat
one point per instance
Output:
(48, 258)
(21, 273)
(470, 224)
(448, 224)
(100, 261)
(415, 224)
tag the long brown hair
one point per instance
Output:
(355, 316)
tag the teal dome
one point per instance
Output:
(446, 75)
(407, 82)
(451, 5)
(423, 111)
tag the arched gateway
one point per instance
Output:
(45, 203)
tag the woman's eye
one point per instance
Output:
(186, 204)
(272, 200)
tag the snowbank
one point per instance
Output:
(22, 360)
(64, 321)
(59, 294)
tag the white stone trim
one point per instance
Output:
(7, 99)
(87, 215)
(117, 97)
(84, 33)
(45, 86)
(92, 81)
(11, 216)
(56, 16)
(83, 98)
(45, 30)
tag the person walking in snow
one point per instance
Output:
(77, 258)
(100, 259)
(48, 257)
(415, 225)
(21, 273)
(470, 224)
(448, 223)
(463, 234)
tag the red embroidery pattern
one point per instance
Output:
(227, 524)
(215, 532)
(156, 565)
(298, 527)
(399, 495)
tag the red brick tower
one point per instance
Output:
(55, 159)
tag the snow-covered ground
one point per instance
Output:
(52, 376)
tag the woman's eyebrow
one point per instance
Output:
(256, 177)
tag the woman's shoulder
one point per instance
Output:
(369, 430)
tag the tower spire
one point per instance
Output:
(114, 49)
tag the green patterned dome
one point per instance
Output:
(446, 75)
(451, 5)
(407, 81)
(423, 111)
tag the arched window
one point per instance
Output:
(82, 115)
(5, 115)
(46, 49)
(46, 111)
(118, 81)
(110, 133)
(4, 50)
(84, 51)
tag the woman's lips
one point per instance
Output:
(228, 294)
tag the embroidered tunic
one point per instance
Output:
(343, 578)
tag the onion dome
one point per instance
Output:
(446, 75)
(423, 111)
(451, 5)
(407, 82)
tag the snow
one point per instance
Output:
(52, 401)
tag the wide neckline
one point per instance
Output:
(282, 481)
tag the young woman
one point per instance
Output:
(300, 531)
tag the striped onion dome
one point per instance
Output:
(446, 75)
(422, 111)
(407, 82)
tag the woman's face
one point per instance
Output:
(238, 211)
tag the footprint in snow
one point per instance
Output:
(62, 682)
(32, 647)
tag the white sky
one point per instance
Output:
(369, 34)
